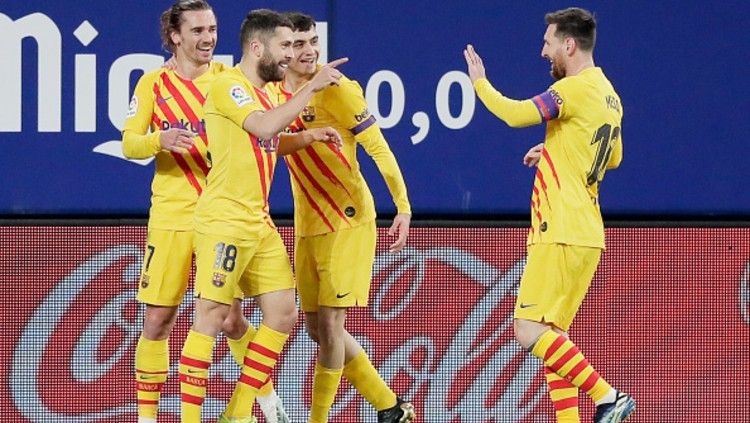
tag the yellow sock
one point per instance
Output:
(367, 381)
(260, 359)
(151, 366)
(562, 356)
(238, 347)
(564, 396)
(194, 364)
(325, 384)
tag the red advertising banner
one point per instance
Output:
(667, 320)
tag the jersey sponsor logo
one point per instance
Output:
(308, 114)
(198, 127)
(556, 96)
(240, 96)
(133, 107)
(269, 145)
(362, 116)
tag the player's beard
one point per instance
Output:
(558, 69)
(269, 70)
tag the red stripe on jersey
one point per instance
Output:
(340, 155)
(261, 174)
(190, 85)
(540, 176)
(536, 206)
(327, 172)
(263, 97)
(178, 157)
(190, 114)
(191, 399)
(546, 156)
(298, 161)
(192, 362)
(309, 199)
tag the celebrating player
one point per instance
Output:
(169, 103)
(334, 221)
(239, 252)
(566, 239)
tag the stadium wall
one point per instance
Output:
(666, 319)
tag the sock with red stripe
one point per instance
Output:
(194, 364)
(563, 357)
(151, 366)
(238, 347)
(564, 396)
(260, 359)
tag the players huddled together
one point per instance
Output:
(210, 200)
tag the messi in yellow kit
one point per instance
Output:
(334, 218)
(583, 139)
(239, 252)
(166, 121)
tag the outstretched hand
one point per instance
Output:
(326, 135)
(328, 75)
(474, 62)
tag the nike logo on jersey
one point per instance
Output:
(163, 100)
(339, 296)
(527, 305)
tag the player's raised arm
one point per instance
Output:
(269, 123)
(516, 113)
(290, 143)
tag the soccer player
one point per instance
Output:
(168, 102)
(239, 252)
(334, 221)
(583, 139)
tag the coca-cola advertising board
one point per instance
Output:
(666, 319)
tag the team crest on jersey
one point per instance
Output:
(308, 114)
(133, 107)
(269, 146)
(240, 96)
(219, 279)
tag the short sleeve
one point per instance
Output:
(234, 100)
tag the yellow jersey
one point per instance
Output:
(235, 201)
(329, 190)
(583, 139)
(164, 100)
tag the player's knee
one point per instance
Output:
(234, 325)
(523, 333)
(312, 330)
(158, 322)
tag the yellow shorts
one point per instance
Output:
(166, 267)
(335, 269)
(229, 268)
(554, 282)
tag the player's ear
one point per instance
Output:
(175, 37)
(570, 45)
